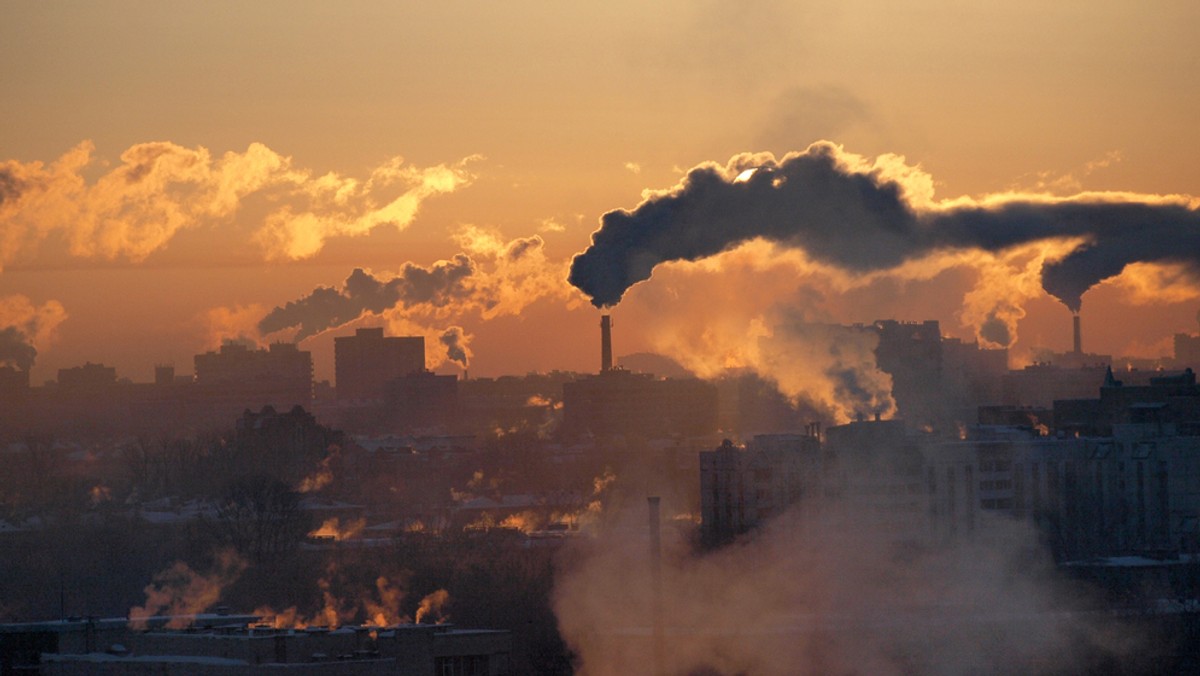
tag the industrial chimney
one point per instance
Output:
(605, 343)
(1078, 339)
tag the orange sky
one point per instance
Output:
(274, 129)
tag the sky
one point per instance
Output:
(175, 174)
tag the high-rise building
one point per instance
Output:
(365, 362)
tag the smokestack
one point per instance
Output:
(1078, 339)
(605, 343)
(657, 637)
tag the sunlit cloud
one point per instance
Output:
(159, 189)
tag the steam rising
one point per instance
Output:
(864, 217)
(181, 592)
(826, 595)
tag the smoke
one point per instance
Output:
(456, 342)
(865, 217)
(771, 312)
(492, 277)
(433, 607)
(362, 292)
(160, 189)
(25, 325)
(15, 349)
(811, 595)
(180, 592)
(231, 324)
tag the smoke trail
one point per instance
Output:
(362, 292)
(492, 277)
(865, 218)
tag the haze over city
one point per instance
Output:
(174, 174)
(353, 260)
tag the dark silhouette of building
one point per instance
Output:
(365, 362)
(235, 645)
(936, 381)
(237, 377)
(1187, 350)
(742, 488)
(421, 401)
(87, 377)
(617, 402)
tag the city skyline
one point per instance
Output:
(174, 175)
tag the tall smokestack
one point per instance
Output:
(658, 634)
(1078, 339)
(605, 343)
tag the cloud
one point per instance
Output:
(158, 189)
(867, 216)
(24, 325)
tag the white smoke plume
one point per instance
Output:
(810, 596)
(180, 592)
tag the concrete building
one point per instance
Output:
(365, 362)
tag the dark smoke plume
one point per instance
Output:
(15, 349)
(456, 341)
(862, 222)
(326, 307)
(10, 186)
